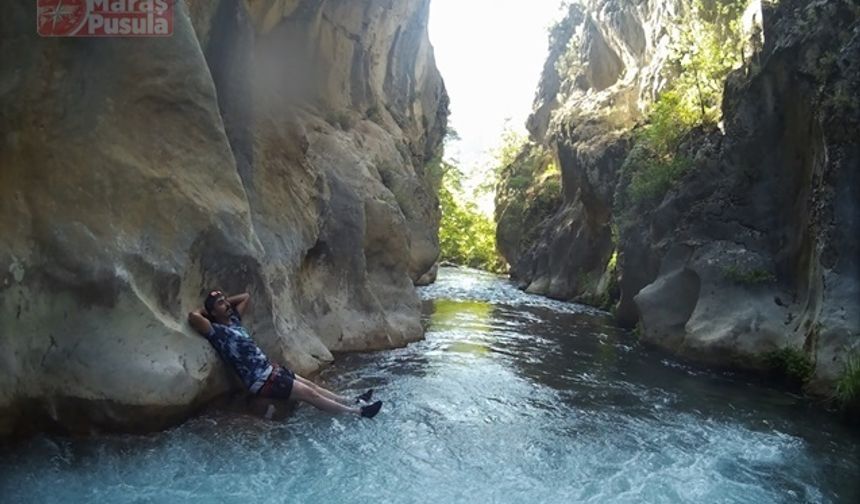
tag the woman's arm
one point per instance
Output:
(199, 322)
(239, 302)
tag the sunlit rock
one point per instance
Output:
(274, 147)
(754, 247)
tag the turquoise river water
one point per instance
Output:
(511, 398)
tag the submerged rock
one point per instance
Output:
(276, 147)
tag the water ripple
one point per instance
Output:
(509, 399)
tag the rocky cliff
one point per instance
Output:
(273, 146)
(603, 70)
(749, 259)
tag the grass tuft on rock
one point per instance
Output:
(793, 366)
(755, 276)
(847, 392)
(709, 46)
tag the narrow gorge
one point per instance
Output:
(733, 243)
(264, 252)
(292, 149)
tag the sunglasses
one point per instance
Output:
(216, 293)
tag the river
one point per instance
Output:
(510, 398)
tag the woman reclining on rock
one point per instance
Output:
(220, 322)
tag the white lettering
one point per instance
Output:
(95, 22)
(138, 26)
(145, 20)
(110, 26)
(160, 26)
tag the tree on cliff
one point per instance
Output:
(708, 45)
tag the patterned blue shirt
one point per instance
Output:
(236, 347)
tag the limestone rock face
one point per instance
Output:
(768, 213)
(276, 147)
(755, 249)
(604, 69)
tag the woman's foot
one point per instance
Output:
(371, 410)
(365, 397)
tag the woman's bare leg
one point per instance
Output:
(302, 392)
(324, 392)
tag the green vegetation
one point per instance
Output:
(434, 172)
(529, 188)
(466, 236)
(504, 172)
(708, 46)
(790, 364)
(750, 277)
(653, 161)
(612, 292)
(570, 62)
(655, 175)
(848, 386)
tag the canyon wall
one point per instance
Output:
(270, 146)
(750, 256)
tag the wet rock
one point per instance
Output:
(276, 147)
(429, 277)
(766, 210)
(605, 64)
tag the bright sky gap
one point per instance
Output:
(491, 54)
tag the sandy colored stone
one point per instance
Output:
(239, 153)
